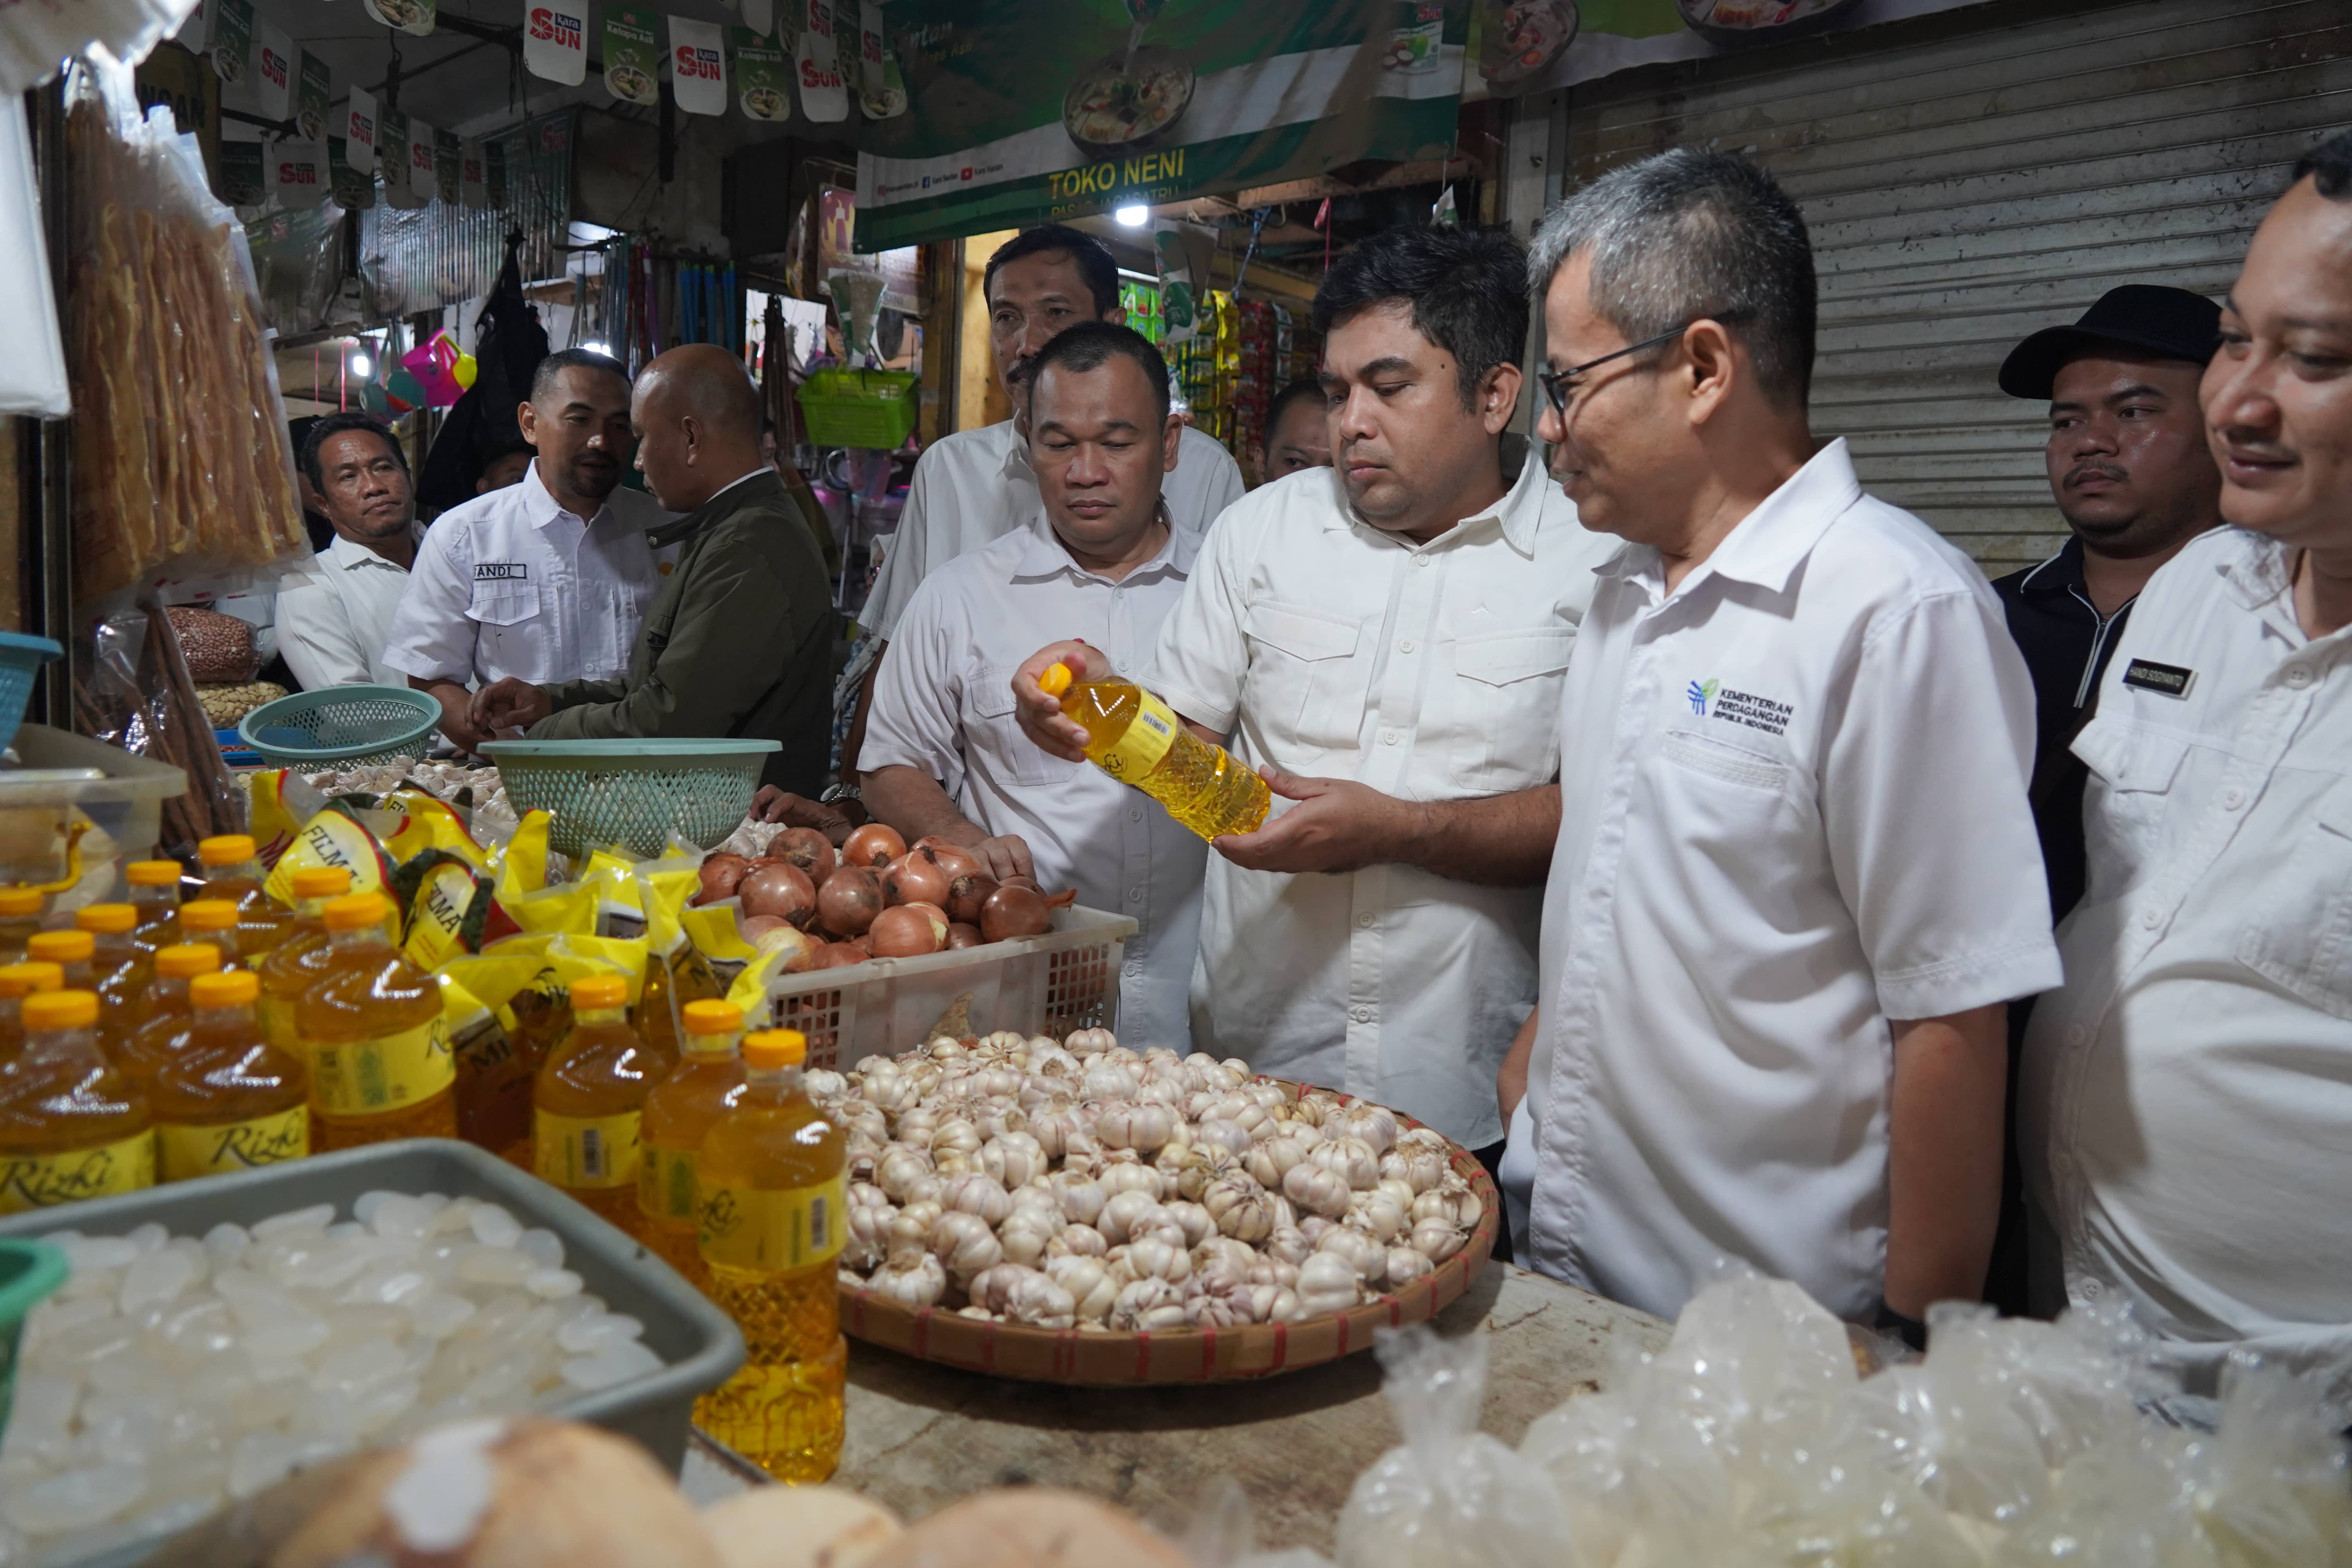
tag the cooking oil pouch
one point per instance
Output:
(749, 990)
(342, 837)
(620, 905)
(277, 803)
(568, 909)
(429, 824)
(522, 870)
(493, 1053)
(675, 971)
(712, 929)
(447, 908)
(574, 955)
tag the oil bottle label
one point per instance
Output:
(185, 1152)
(585, 1151)
(746, 1227)
(362, 1077)
(37, 1181)
(1147, 740)
(277, 1013)
(666, 1187)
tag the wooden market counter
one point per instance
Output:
(920, 1435)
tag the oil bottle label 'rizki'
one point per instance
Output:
(666, 1190)
(587, 1151)
(39, 1181)
(363, 1077)
(776, 1232)
(185, 1152)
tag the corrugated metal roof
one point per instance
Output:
(443, 254)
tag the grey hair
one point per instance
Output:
(1686, 235)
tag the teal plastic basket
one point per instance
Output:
(635, 794)
(21, 659)
(29, 1272)
(341, 726)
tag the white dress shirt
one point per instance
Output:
(943, 703)
(1430, 672)
(334, 619)
(511, 584)
(1797, 811)
(2185, 1105)
(976, 486)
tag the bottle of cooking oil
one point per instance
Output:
(70, 1126)
(679, 1110)
(1138, 739)
(155, 894)
(20, 919)
(120, 966)
(228, 1100)
(588, 1100)
(146, 1049)
(18, 981)
(372, 1029)
(232, 871)
(771, 1176)
(71, 951)
(294, 965)
(214, 921)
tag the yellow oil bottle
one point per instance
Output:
(142, 1053)
(20, 919)
(772, 1183)
(18, 981)
(70, 1126)
(373, 1038)
(294, 965)
(588, 1100)
(71, 951)
(214, 921)
(227, 1099)
(155, 894)
(680, 1108)
(233, 871)
(119, 965)
(1138, 739)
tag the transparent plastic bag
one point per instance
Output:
(1450, 1495)
(1219, 1533)
(36, 35)
(135, 693)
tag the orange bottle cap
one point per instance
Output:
(775, 1049)
(208, 914)
(16, 903)
(107, 920)
(231, 988)
(61, 1010)
(228, 849)
(322, 882)
(23, 979)
(185, 960)
(152, 873)
(61, 946)
(356, 912)
(709, 1017)
(1056, 680)
(600, 991)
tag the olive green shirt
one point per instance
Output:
(738, 642)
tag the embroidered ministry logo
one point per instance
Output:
(1701, 694)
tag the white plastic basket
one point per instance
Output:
(1065, 980)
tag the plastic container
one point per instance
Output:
(122, 796)
(21, 659)
(859, 407)
(343, 726)
(30, 1271)
(1065, 980)
(631, 792)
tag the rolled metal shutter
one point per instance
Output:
(1966, 187)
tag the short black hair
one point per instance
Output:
(1468, 288)
(2330, 166)
(329, 426)
(1090, 345)
(1302, 388)
(516, 447)
(543, 380)
(1093, 257)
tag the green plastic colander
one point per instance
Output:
(631, 792)
(29, 1272)
(341, 726)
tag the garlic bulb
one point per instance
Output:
(1229, 1135)
(917, 1124)
(1000, 1040)
(1241, 1209)
(1420, 1169)
(1109, 1083)
(1147, 1305)
(991, 1287)
(1289, 1245)
(1367, 1256)
(1082, 1196)
(976, 1193)
(1140, 1125)
(823, 1084)
(1271, 1161)
(1152, 1258)
(1223, 1252)
(1318, 1189)
(865, 1120)
(1313, 1227)
(1271, 1271)
(1401, 1191)
(1121, 1213)
(1327, 1283)
(1130, 1176)
(957, 1134)
(1405, 1266)
(1053, 1126)
(1024, 1237)
(1084, 1040)
(1035, 1299)
(1314, 1107)
(1378, 1215)
(1351, 1158)
(965, 1244)
(995, 1081)
(1197, 1224)
(1041, 1202)
(899, 1168)
(1161, 1092)
(1376, 1125)
(926, 1188)
(1013, 1158)
(1092, 1289)
(1437, 1239)
(1273, 1303)
(1081, 1240)
(1467, 1207)
(868, 1240)
(925, 1213)
(949, 1162)
(910, 1276)
(865, 1197)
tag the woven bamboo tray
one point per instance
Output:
(1108, 1358)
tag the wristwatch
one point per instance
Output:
(840, 792)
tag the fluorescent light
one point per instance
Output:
(597, 349)
(1135, 214)
(362, 366)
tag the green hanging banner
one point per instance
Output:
(764, 76)
(314, 89)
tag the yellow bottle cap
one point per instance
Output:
(61, 946)
(23, 979)
(152, 873)
(232, 988)
(774, 1048)
(707, 1018)
(228, 849)
(61, 1010)
(16, 903)
(356, 912)
(185, 960)
(208, 914)
(1056, 680)
(322, 882)
(106, 919)
(600, 991)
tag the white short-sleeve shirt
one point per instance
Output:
(976, 486)
(511, 584)
(943, 704)
(1430, 672)
(334, 618)
(1796, 809)
(2185, 1102)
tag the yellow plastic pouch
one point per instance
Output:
(337, 836)
(712, 929)
(749, 990)
(278, 803)
(494, 1058)
(429, 824)
(522, 870)
(676, 972)
(446, 906)
(573, 956)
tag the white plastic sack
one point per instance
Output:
(38, 36)
(33, 372)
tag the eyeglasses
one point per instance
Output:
(1556, 382)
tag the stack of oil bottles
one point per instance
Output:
(161, 1041)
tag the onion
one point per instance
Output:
(850, 898)
(1013, 912)
(875, 844)
(780, 890)
(840, 955)
(807, 848)
(720, 876)
(955, 859)
(754, 927)
(936, 915)
(961, 935)
(864, 941)
(1018, 880)
(802, 949)
(915, 878)
(903, 932)
(966, 894)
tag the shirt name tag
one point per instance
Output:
(2168, 679)
(501, 571)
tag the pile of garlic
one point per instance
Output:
(1086, 1184)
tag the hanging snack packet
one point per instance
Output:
(476, 993)
(339, 836)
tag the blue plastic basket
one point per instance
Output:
(21, 659)
(341, 726)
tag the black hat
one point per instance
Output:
(2150, 317)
